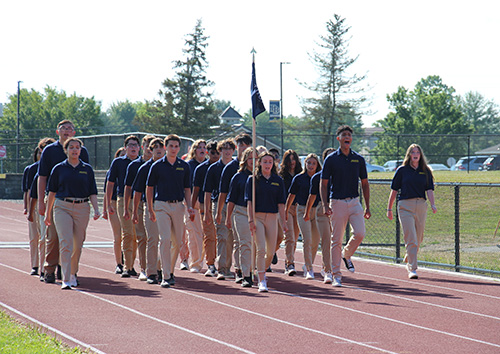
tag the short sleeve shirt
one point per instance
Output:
(169, 179)
(344, 173)
(236, 193)
(227, 174)
(268, 193)
(72, 182)
(413, 183)
(212, 179)
(117, 173)
(300, 186)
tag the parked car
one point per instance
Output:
(474, 163)
(439, 167)
(492, 163)
(374, 168)
(392, 165)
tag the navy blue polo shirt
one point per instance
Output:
(199, 178)
(344, 172)
(170, 180)
(212, 179)
(72, 182)
(268, 193)
(141, 178)
(118, 172)
(132, 169)
(28, 175)
(113, 196)
(300, 186)
(315, 186)
(227, 173)
(193, 163)
(34, 187)
(53, 154)
(236, 192)
(412, 182)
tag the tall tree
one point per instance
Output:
(423, 115)
(480, 113)
(338, 94)
(185, 106)
(119, 117)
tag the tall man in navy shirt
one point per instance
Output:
(117, 173)
(243, 141)
(171, 177)
(344, 168)
(211, 188)
(51, 156)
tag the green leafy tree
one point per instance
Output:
(338, 93)
(480, 113)
(424, 115)
(119, 117)
(185, 106)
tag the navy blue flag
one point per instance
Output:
(257, 104)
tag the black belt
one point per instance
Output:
(173, 201)
(74, 201)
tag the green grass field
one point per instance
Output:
(479, 213)
(16, 338)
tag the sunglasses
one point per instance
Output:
(214, 152)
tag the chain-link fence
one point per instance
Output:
(459, 236)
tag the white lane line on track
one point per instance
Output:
(44, 325)
(391, 319)
(14, 219)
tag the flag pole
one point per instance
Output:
(254, 148)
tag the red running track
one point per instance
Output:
(377, 310)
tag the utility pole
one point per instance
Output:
(281, 104)
(18, 135)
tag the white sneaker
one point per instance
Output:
(211, 272)
(263, 287)
(322, 272)
(310, 275)
(72, 281)
(337, 282)
(184, 265)
(412, 274)
(67, 286)
(328, 278)
(195, 270)
(143, 276)
(304, 270)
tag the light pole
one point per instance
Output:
(17, 137)
(281, 103)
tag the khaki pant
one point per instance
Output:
(325, 234)
(292, 235)
(225, 242)
(71, 222)
(242, 233)
(265, 239)
(116, 227)
(209, 239)
(412, 215)
(170, 220)
(51, 245)
(153, 263)
(43, 233)
(343, 211)
(142, 239)
(34, 238)
(129, 238)
(310, 235)
(195, 239)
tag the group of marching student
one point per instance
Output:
(205, 209)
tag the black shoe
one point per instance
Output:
(119, 269)
(238, 279)
(275, 259)
(247, 282)
(126, 274)
(132, 272)
(269, 270)
(152, 279)
(59, 272)
(50, 278)
(171, 280)
(349, 265)
(42, 276)
(34, 271)
(160, 276)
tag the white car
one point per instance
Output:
(392, 165)
(438, 167)
(374, 168)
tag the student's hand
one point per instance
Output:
(434, 209)
(97, 215)
(152, 216)
(253, 228)
(111, 209)
(105, 214)
(306, 217)
(218, 218)
(25, 211)
(367, 213)
(135, 218)
(30, 217)
(228, 223)
(126, 214)
(41, 207)
(327, 210)
(389, 214)
(285, 227)
(48, 220)
(208, 218)
(191, 213)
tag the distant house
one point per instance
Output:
(492, 150)
(230, 117)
